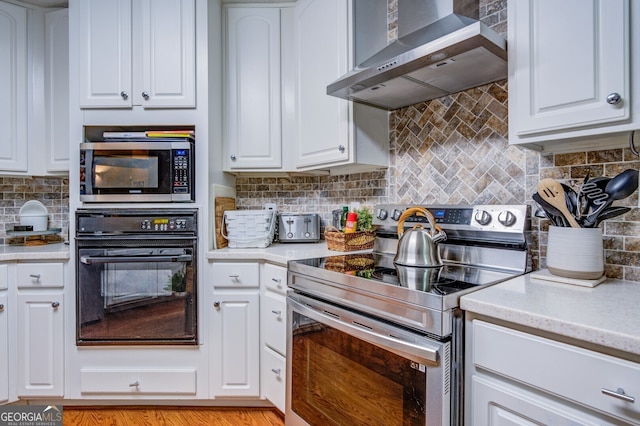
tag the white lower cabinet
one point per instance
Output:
(235, 328)
(138, 381)
(4, 348)
(273, 323)
(40, 346)
(518, 378)
(273, 377)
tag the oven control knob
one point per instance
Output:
(396, 214)
(482, 217)
(507, 218)
(382, 214)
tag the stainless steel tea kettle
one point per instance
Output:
(417, 246)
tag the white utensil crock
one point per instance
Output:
(575, 252)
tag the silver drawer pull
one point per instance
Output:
(276, 312)
(234, 276)
(36, 276)
(619, 393)
(276, 371)
(276, 280)
(134, 384)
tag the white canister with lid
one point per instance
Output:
(35, 214)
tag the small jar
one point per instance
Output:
(352, 222)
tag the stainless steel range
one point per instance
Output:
(374, 342)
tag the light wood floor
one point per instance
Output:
(170, 416)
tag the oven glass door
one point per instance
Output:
(346, 369)
(136, 295)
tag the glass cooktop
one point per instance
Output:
(447, 279)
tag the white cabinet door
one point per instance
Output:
(4, 348)
(235, 344)
(568, 63)
(105, 53)
(321, 37)
(496, 403)
(253, 125)
(137, 52)
(274, 378)
(13, 86)
(40, 344)
(57, 90)
(168, 75)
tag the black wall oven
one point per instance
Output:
(136, 277)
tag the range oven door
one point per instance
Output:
(136, 295)
(344, 368)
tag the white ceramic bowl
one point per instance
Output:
(34, 213)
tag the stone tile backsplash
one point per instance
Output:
(52, 192)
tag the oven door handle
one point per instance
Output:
(423, 353)
(91, 260)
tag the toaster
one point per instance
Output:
(298, 227)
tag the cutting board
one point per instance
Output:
(221, 205)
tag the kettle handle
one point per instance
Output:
(435, 229)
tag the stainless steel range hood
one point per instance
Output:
(451, 51)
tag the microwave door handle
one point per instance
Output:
(423, 353)
(92, 260)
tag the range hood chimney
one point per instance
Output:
(450, 51)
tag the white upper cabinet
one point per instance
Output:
(570, 72)
(137, 52)
(321, 42)
(252, 97)
(56, 88)
(13, 86)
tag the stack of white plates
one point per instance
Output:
(34, 213)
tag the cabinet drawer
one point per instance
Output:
(40, 275)
(273, 378)
(138, 382)
(568, 371)
(274, 326)
(274, 278)
(4, 277)
(237, 274)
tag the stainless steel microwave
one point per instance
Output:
(137, 171)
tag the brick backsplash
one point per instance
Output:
(312, 194)
(52, 192)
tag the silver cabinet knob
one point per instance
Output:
(341, 148)
(124, 95)
(233, 157)
(216, 305)
(55, 305)
(614, 98)
(1, 307)
(145, 95)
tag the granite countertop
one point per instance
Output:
(55, 251)
(607, 315)
(277, 253)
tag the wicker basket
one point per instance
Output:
(339, 241)
(249, 228)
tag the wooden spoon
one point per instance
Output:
(552, 192)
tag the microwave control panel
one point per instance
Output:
(181, 171)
